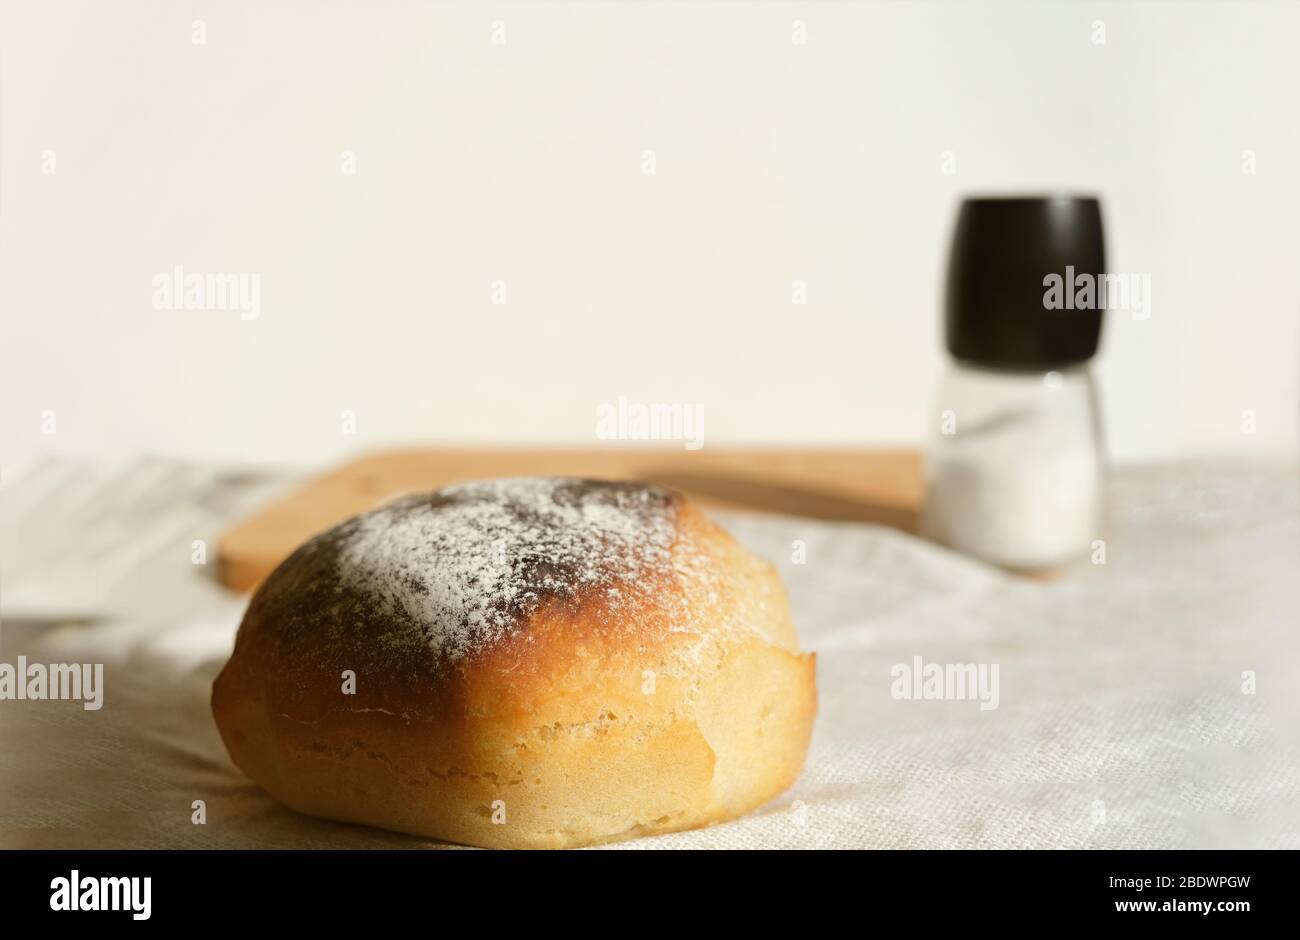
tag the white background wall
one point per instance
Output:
(522, 162)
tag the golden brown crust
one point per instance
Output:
(595, 720)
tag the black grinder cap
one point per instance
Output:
(996, 314)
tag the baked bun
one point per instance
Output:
(538, 663)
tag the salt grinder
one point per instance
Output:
(1014, 468)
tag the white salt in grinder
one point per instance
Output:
(1014, 469)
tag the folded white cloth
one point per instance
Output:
(1147, 702)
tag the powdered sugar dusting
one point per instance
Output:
(463, 565)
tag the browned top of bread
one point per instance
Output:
(431, 585)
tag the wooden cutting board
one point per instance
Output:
(882, 487)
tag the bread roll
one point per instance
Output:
(521, 663)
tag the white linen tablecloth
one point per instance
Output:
(1121, 722)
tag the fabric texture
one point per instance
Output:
(1147, 702)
